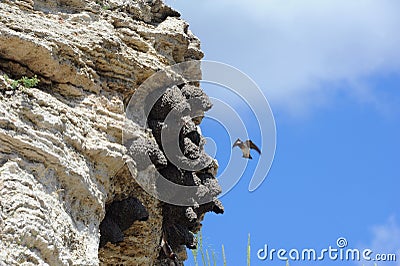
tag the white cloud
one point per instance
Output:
(386, 239)
(303, 52)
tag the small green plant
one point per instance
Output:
(29, 82)
(14, 84)
(25, 81)
(6, 77)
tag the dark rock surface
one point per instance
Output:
(120, 215)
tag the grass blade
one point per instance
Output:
(195, 253)
(223, 255)
(201, 248)
(214, 258)
(248, 250)
(208, 258)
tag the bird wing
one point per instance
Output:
(253, 146)
(237, 143)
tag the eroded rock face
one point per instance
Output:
(63, 167)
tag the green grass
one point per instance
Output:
(204, 253)
(208, 260)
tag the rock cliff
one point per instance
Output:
(70, 159)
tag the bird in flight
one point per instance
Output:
(245, 146)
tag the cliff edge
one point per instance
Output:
(71, 160)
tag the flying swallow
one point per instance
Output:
(245, 146)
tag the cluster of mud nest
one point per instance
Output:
(178, 155)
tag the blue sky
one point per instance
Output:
(331, 73)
